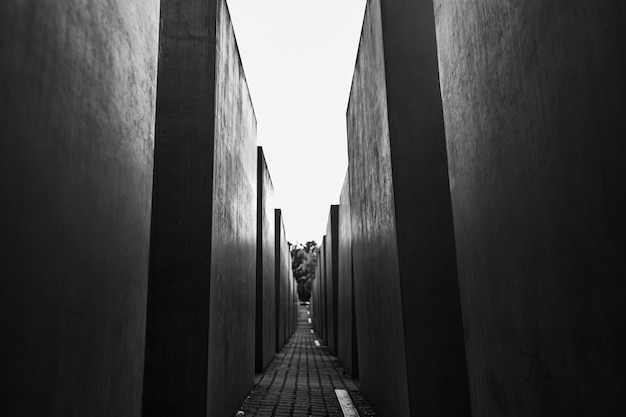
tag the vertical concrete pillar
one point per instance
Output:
(323, 298)
(346, 319)
(331, 268)
(282, 281)
(77, 102)
(265, 339)
(407, 296)
(315, 301)
(293, 296)
(200, 334)
(534, 100)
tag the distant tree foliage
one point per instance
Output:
(303, 263)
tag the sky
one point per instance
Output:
(299, 56)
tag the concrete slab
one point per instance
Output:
(407, 298)
(281, 281)
(331, 268)
(77, 103)
(200, 334)
(265, 339)
(322, 292)
(346, 318)
(534, 100)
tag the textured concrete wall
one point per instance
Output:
(346, 323)
(331, 266)
(317, 309)
(374, 249)
(265, 339)
(293, 306)
(282, 282)
(323, 300)
(408, 309)
(77, 101)
(315, 299)
(233, 253)
(200, 336)
(534, 98)
(289, 299)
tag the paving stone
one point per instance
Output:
(301, 381)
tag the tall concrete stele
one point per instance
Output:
(347, 348)
(409, 328)
(201, 304)
(331, 278)
(534, 98)
(265, 339)
(77, 103)
(128, 214)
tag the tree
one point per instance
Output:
(303, 263)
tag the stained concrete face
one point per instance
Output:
(407, 300)
(78, 86)
(233, 253)
(315, 300)
(317, 303)
(200, 335)
(346, 323)
(265, 339)
(330, 265)
(293, 311)
(534, 103)
(282, 268)
(322, 293)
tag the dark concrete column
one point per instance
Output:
(200, 335)
(346, 320)
(534, 100)
(77, 102)
(294, 296)
(282, 281)
(323, 298)
(331, 268)
(408, 308)
(265, 275)
(315, 301)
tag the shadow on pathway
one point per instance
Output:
(301, 381)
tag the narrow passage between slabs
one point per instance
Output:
(303, 380)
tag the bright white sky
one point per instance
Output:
(299, 56)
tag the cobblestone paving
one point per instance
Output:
(301, 381)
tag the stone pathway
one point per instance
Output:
(301, 381)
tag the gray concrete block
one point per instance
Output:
(323, 299)
(77, 102)
(200, 335)
(281, 281)
(534, 96)
(407, 298)
(331, 267)
(315, 300)
(346, 317)
(265, 339)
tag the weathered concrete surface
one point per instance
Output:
(323, 299)
(534, 97)
(265, 321)
(346, 323)
(407, 298)
(282, 268)
(77, 102)
(200, 335)
(315, 299)
(293, 309)
(233, 253)
(331, 268)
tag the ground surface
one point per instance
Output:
(301, 381)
